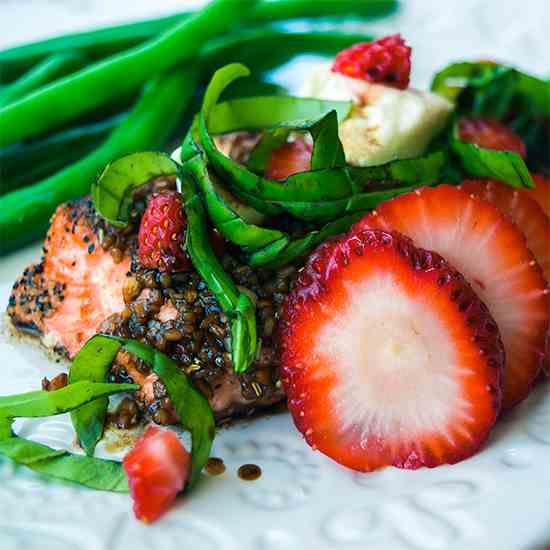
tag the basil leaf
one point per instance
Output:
(192, 409)
(104, 475)
(263, 112)
(504, 166)
(92, 363)
(88, 471)
(270, 141)
(223, 209)
(299, 248)
(220, 284)
(521, 101)
(47, 403)
(317, 186)
(112, 192)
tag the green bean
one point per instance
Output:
(25, 163)
(292, 9)
(92, 363)
(260, 49)
(24, 214)
(95, 44)
(101, 82)
(100, 43)
(51, 68)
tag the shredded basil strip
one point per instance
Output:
(112, 192)
(91, 472)
(505, 166)
(519, 100)
(92, 363)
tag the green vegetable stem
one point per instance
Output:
(26, 163)
(100, 43)
(86, 400)
(49, 69)
(24, 214)
(106, 80)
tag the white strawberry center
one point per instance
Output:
(395, 361)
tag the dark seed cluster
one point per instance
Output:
(177, 314)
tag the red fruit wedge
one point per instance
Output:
(157, 469)
(290, 158)
(523, 211)
(388, 356)
(490, 134)
(541, 192)
(492, 254)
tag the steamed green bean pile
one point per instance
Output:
(65, 107)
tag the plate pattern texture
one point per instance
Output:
(498, 500)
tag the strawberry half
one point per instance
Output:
(161, 233)
(388, 356)
(492, 254)
(290, 158)
(157, 468)
(523, 211)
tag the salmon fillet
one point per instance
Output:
(90, 280)
(74, 288)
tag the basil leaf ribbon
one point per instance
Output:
(106, 475)
(520, 100)
(86, 399)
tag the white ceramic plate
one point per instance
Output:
(498, 500)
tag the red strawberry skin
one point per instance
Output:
(319, 391)
(491, 252)
(384, 61)
(490, 134)
(290, 158)
(541, 192)
(522, 210)
(157, 469)
(161, 233)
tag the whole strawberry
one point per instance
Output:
(385, 61)
(161, 233)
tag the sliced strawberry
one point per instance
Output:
(492, 254)
(388, 356)
(523, 211)
(541, 192)
(157, 469)
(490, 134)
(290, 158)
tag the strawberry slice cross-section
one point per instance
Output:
(492, 254)
(524, 211)
(388, 356)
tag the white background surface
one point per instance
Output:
(498, 500)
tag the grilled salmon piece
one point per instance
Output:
(75, 287)
(85, 284)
